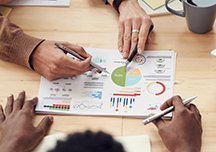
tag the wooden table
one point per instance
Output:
(90, 23)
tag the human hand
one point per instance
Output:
(52, 63)
(5, 1)
(134, 27)
(17, 132)
(183, 133)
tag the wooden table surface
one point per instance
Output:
(90, 23)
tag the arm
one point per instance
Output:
(132, 18)
(183, 133)
(16, 46)
(38, 54)
(4, 1)
(17, 133)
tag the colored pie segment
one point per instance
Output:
(156, 88)
(122, 77)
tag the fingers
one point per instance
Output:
(159, 123)
(195, 110)
(45, 125)
(80, 50)
(171, 101)
(135, 34)
(145, 29)
(9, 105)
(30, 105)
(127, 38)
(77, 65)
(2, 116)
(120, 36)
(18, 103)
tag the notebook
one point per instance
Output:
(157, 7)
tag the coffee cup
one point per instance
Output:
(199, 14)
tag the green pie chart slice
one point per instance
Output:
(119, 76)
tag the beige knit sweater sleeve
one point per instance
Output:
(15, 45)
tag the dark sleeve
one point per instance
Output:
(15, 45)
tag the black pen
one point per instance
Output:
(67, 50)
(134, 52)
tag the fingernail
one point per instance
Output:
(124, 54)
(140, 51)
(22, 91)
(120, 49)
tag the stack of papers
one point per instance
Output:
(135, 91)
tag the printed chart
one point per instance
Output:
(124, 99)
(135, 91)
(156, 88)
(123, 78)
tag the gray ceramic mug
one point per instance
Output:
(200, 19)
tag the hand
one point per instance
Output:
(17, 132)
(52, 63)
(5, 1)
(133, 17)
(183, 133)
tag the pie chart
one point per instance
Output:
(122, 77)
(156, 88)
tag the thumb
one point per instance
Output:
(45, 125)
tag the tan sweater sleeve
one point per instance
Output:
(15, 45)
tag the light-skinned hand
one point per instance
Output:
(52, 63)
(5, 1)
(132, 16)
(17, 133)
(183, 133)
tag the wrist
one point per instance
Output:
(124, 4)
(187, 149)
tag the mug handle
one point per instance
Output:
(179, 13)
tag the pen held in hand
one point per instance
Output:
(75, 54)
(166, 111)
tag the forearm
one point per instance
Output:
(111, 1)
(15, 45)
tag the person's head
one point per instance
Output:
(89, 142)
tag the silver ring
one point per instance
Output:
(135, 31)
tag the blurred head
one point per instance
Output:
(89, 142)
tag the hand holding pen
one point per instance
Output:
(185, 127)
(52, 63)
(80, 57)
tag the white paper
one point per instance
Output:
(40, 3)
(139, 92)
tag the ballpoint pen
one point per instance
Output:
(67, 50)
(134, 52)
(130, 58)
(166, 111)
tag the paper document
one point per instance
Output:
(40, 3)
(131, 143)
(157, 7)
(137, 90)
(154, 4)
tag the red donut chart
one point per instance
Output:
(156, 88)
